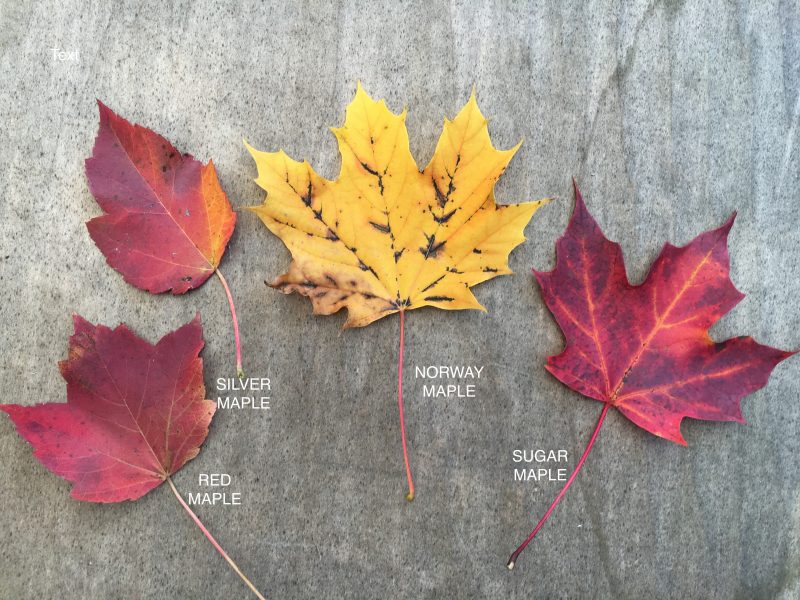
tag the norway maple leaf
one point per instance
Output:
(386, 237)
(167, 219)
(645, 349)
(135, 414)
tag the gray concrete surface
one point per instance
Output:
(670, 114)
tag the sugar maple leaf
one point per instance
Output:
(135, 414)
(385, 237)
(167, 220)
(645, 349)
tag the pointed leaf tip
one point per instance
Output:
(728, 225)
(576, 190)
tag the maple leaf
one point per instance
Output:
(385, 237)
(135, 414)
(167, 219)
(645, 349)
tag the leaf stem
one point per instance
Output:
(211, 539)
(514, 555)
(410, 494)
(239, 370)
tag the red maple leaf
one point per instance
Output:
(646, 349)
(135, 414)
(167, 219)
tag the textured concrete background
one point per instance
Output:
(670, 114)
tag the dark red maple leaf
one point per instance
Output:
(167, 219)
(135, 414)
(646, 349)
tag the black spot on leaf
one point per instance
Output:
(379, 227)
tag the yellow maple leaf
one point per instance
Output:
(385, 237)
